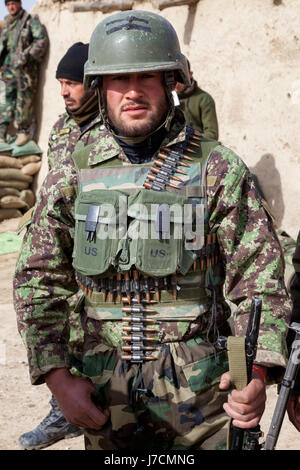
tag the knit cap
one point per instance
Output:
(71, 66)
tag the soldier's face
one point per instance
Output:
(73, 93)
(13, 7)
(136, 103)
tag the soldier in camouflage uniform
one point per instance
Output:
(294, 401)
(153, 374)
(77, 123)
(82, 110)
(199, 108)
(23, 44)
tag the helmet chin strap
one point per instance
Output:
(173, 100)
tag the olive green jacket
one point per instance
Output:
(200, 111)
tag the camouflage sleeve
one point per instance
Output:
(40, 40)
(52, 144)
(252, 256)
(44, 278)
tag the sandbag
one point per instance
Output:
(28, 196)
(9, 162)
(29, 159)
(30, 148)
(14, 184)
(14, 174)
(9, 214)
(12, 202)
(10, 192)
(31, 168)
(5, 147)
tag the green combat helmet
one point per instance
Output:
(134, 41)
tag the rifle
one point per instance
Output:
(253, 434)
(285, 390)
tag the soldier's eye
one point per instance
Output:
(120, 77)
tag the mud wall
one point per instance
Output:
(246, 54)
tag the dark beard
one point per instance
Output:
(132, 131)
(129, 130)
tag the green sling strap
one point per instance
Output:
(237, 361)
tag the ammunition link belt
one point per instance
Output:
(138, 288)
(163, 174)
(129, 283)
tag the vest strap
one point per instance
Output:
(25, 220)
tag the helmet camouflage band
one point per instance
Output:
(134, 41)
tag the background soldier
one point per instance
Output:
(79, 120)
(294, 401)
(155, 374)
(82, 110)
(23, 44)
(199, 108)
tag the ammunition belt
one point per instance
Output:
(166, 172)
(130, 283)
(138, 288)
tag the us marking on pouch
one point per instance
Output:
(129, 25)
(158, 253)
(88, 251)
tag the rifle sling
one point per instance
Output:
(237, 361)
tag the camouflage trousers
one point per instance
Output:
(170, 403)
(18, 102)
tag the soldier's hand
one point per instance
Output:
(73, 395)
(246, 406)
(293, 409)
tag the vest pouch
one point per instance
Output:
(155, 232)
(100, 223)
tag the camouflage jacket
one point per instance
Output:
(64, 136)
(29, 43)
(250, 250)
(200, 111)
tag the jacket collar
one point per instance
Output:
(106, 147)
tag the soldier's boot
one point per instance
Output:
(53, 428)
(22, 138)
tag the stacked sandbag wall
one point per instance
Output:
(16, 179)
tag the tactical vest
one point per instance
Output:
(130, 249)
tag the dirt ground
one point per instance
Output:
(23, 406)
